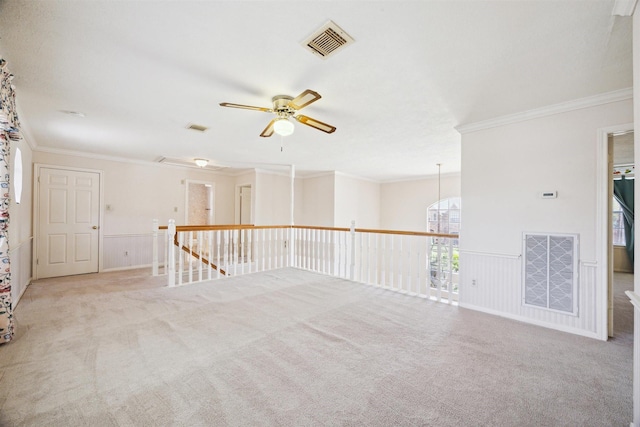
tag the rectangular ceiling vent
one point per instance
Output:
(198, 128)
(327, 40)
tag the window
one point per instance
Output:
(618, 224)
(444, 217)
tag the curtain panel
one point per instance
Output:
(9, 131)
(623, 191)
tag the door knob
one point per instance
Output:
(95, 227)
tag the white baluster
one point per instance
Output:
(210, 254)
(190, 240)
(200, 253)
(353, 250)
(218, 235)
(171, 232)
(154, 265)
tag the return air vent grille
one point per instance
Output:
(188, 163)
(327, 40)
(550, 271)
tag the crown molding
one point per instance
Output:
(564, 107)
(271, 172)
(424, 178)
(103, 157)
(347, 175)
(302, 175)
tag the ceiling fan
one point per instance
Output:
(285, 107)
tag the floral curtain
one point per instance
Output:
(9, 131)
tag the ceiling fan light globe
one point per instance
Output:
(283, 127)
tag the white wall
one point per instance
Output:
(318, 201)
(403, 204)
(21, 224)
(356, 200)
(137, 193)
(298, 194)
(503, 171)
(272, 198)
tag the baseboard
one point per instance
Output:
(129, 267)
(523, 319)
(15, 303)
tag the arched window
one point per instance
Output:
(444, 217)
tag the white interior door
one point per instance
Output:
(68, 222)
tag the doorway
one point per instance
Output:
(199, 203)
(621, 244)
(244, 204)
(67, 221)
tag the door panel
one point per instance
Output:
(68, 220)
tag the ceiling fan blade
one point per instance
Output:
(304, 99)
(324, 127)
(246, 107)
(268, 131)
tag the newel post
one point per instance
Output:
(171, 233)
(154, 267)
(353, 250)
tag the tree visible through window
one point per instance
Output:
(444, 217)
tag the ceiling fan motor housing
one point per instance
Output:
(281, 105)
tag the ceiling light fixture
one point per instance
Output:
(283, 127)
(201, 162)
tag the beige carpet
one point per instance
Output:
(292, 348)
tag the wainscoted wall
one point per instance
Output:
(126, 251)
(20, 269)
(498, 290)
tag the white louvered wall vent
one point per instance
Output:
(327, 40)
(551, 272)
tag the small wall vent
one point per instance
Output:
(195, 127)
(327, 40)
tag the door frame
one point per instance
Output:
(237, 212)
(603, 249)
(212, 184)
(36, 210)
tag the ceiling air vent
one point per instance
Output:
(188, 163)
(327, 40)
(199, 128)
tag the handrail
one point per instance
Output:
(258, 227)
(416, 262)
(196, 255)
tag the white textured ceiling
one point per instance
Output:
(142, 70)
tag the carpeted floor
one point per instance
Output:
(292, 348)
